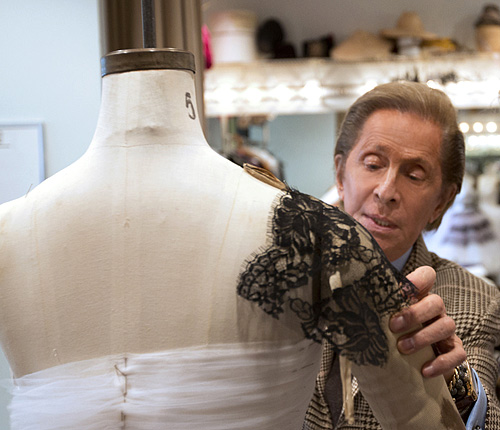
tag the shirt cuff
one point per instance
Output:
(477, 416)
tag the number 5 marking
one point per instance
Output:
(189, 104)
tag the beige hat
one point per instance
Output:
(409, 25)
(362, 45)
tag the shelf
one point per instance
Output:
(321, 85)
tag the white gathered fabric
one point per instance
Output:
(233, 387)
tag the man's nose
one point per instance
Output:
(386, 190)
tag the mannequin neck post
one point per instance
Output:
(148, 97)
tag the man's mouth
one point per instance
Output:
(381, 223)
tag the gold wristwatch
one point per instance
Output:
(463, 389)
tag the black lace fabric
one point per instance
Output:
(326, 268)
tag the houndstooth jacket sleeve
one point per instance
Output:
(473, 304)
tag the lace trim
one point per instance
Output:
(314, 245)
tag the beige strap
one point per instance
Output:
(265, 176)
(346, 376)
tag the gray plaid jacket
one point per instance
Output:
(475, 307)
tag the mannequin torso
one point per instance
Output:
(136, 247)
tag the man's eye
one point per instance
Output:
(415, 177)
(371, 166)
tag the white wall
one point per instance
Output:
(305, 146)
(50, 72)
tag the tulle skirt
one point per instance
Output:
(213, 387)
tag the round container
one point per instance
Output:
(409, 46)
(233, 36)
(488, 38)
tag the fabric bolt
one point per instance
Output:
(473, 304)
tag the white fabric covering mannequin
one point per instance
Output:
(118, 304)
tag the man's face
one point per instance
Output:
(392, 180)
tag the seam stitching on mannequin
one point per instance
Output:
(217, 265)
(123, 415)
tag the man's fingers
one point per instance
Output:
(445, 363)
(440, 332)
(425, 323)
(426, 311)
(423, 278)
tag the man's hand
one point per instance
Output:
(426, 323)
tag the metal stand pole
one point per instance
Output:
(148, 24)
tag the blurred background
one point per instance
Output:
(274, 79)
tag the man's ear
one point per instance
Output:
(446, 196)
(339, 175)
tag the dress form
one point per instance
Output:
(136, 246)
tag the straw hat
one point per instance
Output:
(409, 25)
(362, 45)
